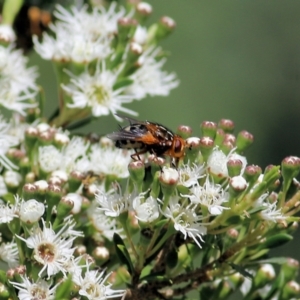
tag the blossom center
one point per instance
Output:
(100, 94)
(46, 252)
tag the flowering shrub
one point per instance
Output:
(81, 220)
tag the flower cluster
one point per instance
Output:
(83, 219)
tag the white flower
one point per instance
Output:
(14, 72)
(49, 158)
(31, 211)
(8, 211)
(149, 79)
(76, 199)
(269, 210)
(113, 203)
(52, 159)
(146, 211)
(50, 249)
(140, 35)
(96, 92)
(7, 33)
(6, 141)
(92, 285)
(189, 175)
(105, 225)
(34, 290)
(3, 188)
(109, 161)
(169, 176)
(217, 162)
(210, 195)
(80, 35)
(185, 220)
(9, 253)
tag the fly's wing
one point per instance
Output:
(130, 120)
(123, 135)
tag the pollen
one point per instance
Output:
(46, 252)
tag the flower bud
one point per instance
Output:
(226, 147)
(126, 28)
(64, 207)
(252, 173)
(29, 191)
(192, 149)
(291, 290)
(101, 255)
(206, 147)
(290, 167)
(226, 125)
(264, 275)
(76, 178)
(31, 211)
(142, 11)
(234, 167)
(12, 180)
(230, 138)
(168, 179)
(184, 131)
(208, 129)
(237, 184)
(137, 171)
(290, 269)
(220, 136)
(244, 140)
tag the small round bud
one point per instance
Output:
(238, 183)
(137, 171)
(7, 34)
(60, 174)
(206, 146)
(144, 8)
(226, 147)
(291, 290)
(169, 176)
(81, 250)
(184, 131)
(101, 254)
(31, 211)
(251, 173)
(264, 275)
(10, 273)
(29, 191)
(234, 167)
(208, 129)
(227, 125)
(220, 136)
(61, 139)
(192, 149)
(244, 140)
(230, 138)
(20, 270)
(42, 185)
(290, 167)
(232, 233)
(64, 207)
(168, 23)
(74, 198)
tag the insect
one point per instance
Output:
(145, 136)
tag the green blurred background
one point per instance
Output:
(235, 59)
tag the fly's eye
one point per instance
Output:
(177, 146)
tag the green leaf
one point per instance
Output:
(122, 252)
(157, 276)
(122, 82)
(63, 291)
(241, 270)
(274, 260)
(275, 241)
(258, 254)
